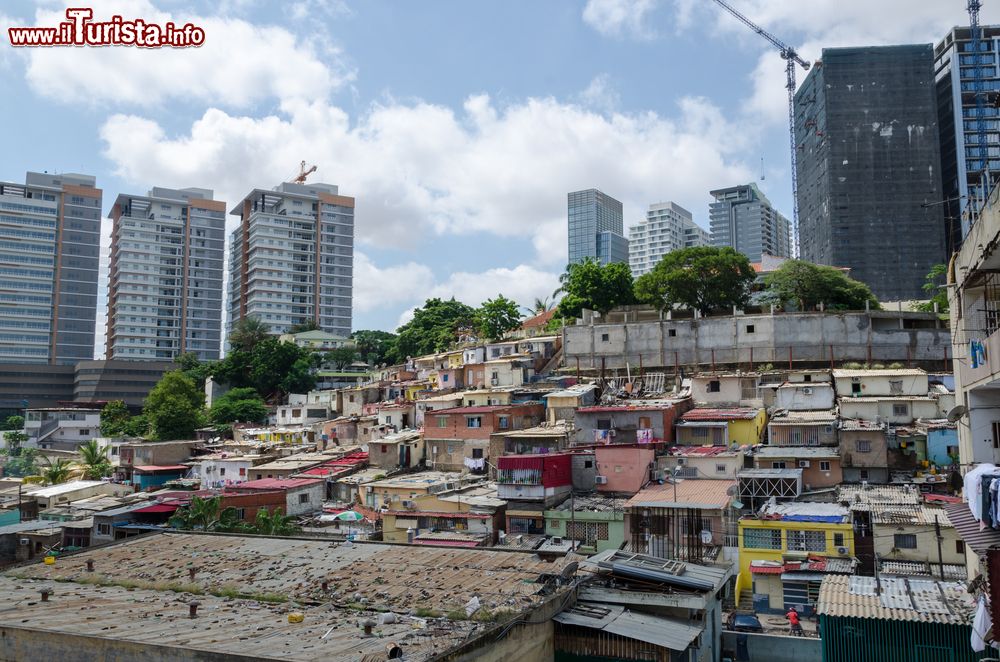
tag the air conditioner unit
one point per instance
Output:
(600, 480)
(409, 505)
(807, 391)
(494, 381)
(803, 464)
(681, 461)
(842, 551)
(25, 541)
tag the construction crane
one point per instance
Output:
(975, 30)
(791, 58)
(303, 173)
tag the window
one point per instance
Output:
(996, 434)
(714, 386)
(388, 420)
(838, 540)
(588, 464)
(604, 337)
(720, 468)
(895, 387)
(222, 471)
(442, 421)
(303, 498)
(807, 378)
(604, 424)
(750, 328)
(699, 433)
(473, 421)
(104, 529)
(84, 432)
(900, 409)
(385, 448)
(904, 541)
(644, 423)
(762, 538)
(824, 465)
(503, 422)
(863, 445)
(807, 541)
(243, 471)
(959, 547)
(444, 378)
(672, 333)
(778, 465)
(863, 474)
(241, 513)
(588, 533)
(477, 453)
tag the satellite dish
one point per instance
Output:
(957, 412)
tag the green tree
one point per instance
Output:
(308, 325)
(934, 286)
(340, 358)
(206, 515)
(174, 407)
(274, 524)
(137, 426)
(540, 306)
(193, 367)
(496, 317)
(376, 347)
(13, 423)
(94, 460)
(23, 463)
(247, 333)
(702, 278)
(808, 285)
(272, 367)
(435, 327)
(54, 473)
(594, 286)
(115, 419)
(14, 440)
(239, 404)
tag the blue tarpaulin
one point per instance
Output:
(830, 519)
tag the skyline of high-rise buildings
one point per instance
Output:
(870, 167)
(165, 286)
(291, 259)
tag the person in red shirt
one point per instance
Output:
(793, 620)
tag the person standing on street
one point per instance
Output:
(793, 620)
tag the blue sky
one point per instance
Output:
(458, 126)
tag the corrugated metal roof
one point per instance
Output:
(900, 599)
(817, 452)
(669, 633)
(722, 414)
(696, 493)
(892, 372)
(856, 495)
(968, 528)
(882, 513)
(278, 483)
(859, 424)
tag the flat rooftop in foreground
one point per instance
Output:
(140, 590)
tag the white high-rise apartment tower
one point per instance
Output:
(667, 227)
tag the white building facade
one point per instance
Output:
(667, 227)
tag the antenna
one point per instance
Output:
(762, 175)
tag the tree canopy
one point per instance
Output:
(273, 368)
(594, 286)
(247, 333)
(808, 285)
(308, 325)
(174, 408)
(703, 278)
(435, 326)
(340, 358)
(238, 404)
(496, 317)
(94, 460)
(115, 419)
(376, 347)
(934, 286)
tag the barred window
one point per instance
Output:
(762, 538)
(807, 541)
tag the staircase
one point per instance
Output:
(553, 363)
(746, 601)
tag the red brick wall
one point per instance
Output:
(252, 502)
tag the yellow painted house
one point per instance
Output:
(721, 426)
(786, 552)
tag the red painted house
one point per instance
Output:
(546, 477)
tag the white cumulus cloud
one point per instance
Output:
(620, 17)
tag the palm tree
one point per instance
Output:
(247, 333)
(205, 515)
(274, 524)
(56, 472)
(94, 459)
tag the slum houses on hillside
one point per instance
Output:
(760, 491)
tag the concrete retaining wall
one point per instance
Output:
(771, 648)
(739, 340)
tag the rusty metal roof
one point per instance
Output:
(899, 599)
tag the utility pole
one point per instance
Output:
(937, 534)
